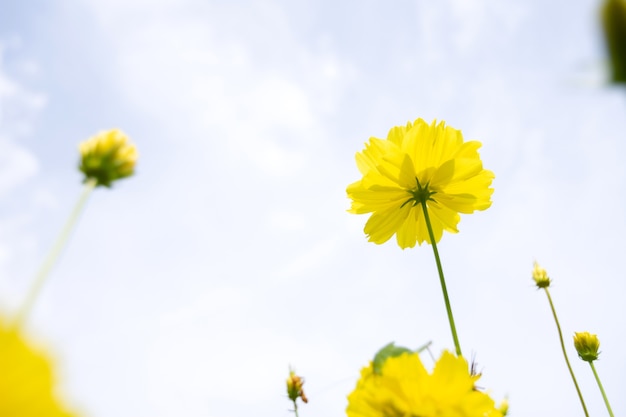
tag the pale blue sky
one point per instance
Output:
(190, 288)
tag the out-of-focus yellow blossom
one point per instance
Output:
(613, 14)
(418, 164)
(540, 276)
(107, 157)
(294, 387)
(587, 346)
(404, 388)
(26, 379)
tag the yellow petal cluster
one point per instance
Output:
(540, 275)
(107, 157)
(587, 345)
(26, 379)
(405, 388)
(419, 164)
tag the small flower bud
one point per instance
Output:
(587, 346)
(504, 407)
(540, 276)
(294, 387)
(107, 157)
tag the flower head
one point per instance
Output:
(540, 276)
(26, 380)
(418, 165)
(294, 387)
(405, 388)
(107, 157)
(587, 346)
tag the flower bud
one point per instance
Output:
(294, 387)
(587, 346)
(504, 407)
(540, 276)
(107, 157)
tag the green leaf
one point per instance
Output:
(387, 351)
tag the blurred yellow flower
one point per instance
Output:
(613, 14)
(418, 164)
(540, 276)
(405, 388)
(107, 157)
(26, 380)
(587, 346)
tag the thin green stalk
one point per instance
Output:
(53, 255)
(606, 400)
(442, 280)
(295, 407)
(558, 326)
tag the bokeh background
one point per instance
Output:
(189, 289)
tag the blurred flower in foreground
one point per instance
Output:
(26, 380)
(613, 16)
(418, 164)
(587, 346)
(540, 276)
(405, 388)
(107, 157)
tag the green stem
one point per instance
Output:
(606, 400)
(558, 326)
(53, 255)
(442, 280)
(295, 407)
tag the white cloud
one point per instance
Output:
(308, 260)
(16, 165)
(241, 361)
(461, 26)
(18, 105)
(212, 66)
(18, 108)
(288, 221)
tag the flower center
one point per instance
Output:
(419, 195)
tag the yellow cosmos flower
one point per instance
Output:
(26, 380)
(418, 164)
(405, 388)
(107, 156)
